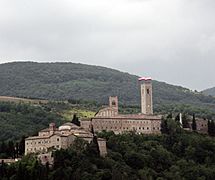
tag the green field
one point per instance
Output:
(80, 113)
(22, 100)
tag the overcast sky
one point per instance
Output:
(169, 40)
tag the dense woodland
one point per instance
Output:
(64, 81)
(175, 154)
(17, 120)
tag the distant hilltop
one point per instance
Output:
(210, 91)
(63, 81)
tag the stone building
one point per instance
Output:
(201, 125)
(109, 118)
(57, 138)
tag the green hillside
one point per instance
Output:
(63, 81)
(17, 120)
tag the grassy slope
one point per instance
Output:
(22, 100)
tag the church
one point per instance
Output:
(109, 119)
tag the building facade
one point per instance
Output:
(60, 138)
(109, 119)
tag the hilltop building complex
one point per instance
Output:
(59, 138)
(109, 118)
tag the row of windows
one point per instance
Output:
(42, 142)
(134, 128)
(41, 148)
(30, 149)
(137, 122)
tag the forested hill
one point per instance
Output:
(210, 91)
(60, 81)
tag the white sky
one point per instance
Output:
(170, 40)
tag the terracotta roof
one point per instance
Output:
(47, 137)
(83, 135)
(37, 137)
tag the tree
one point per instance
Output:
(93, 147)
(164, 128)
(185, 123)
(211, 128)
(169, 126)
(194, 123)
(75, 120)
(22, 146)
(177, 118)
(10, 149)
(169, 116)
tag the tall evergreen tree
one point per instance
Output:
(211, 128)
(75, 120)
(92, 130)
(177, 118)
(93, 147)
(22, 146)
(164, 126)
(10, 149)
(194, 123)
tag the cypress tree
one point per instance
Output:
(75, 120)
(22, 146)
(93, 147)
(164, 126)
(177, 118)
(212, 128)
(10, 150)
(194, 123)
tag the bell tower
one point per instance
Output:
(113, 102)
(146, 95)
